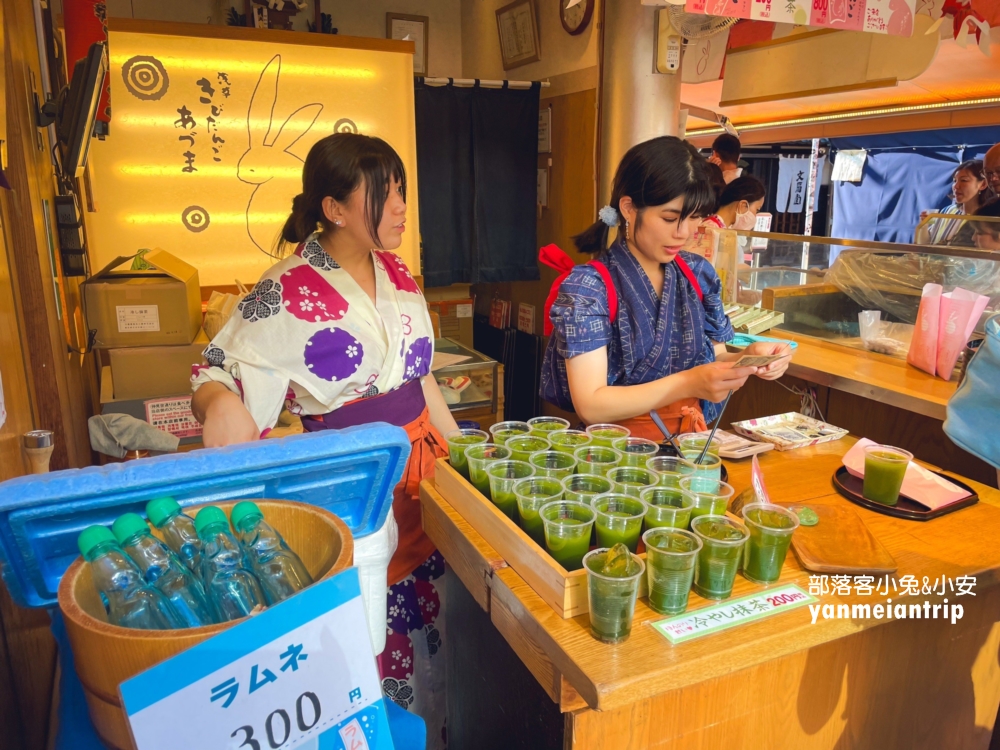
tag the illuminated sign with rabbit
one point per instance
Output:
(208, 137)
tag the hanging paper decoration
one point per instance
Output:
(893, 17)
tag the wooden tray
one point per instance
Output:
(564, 591)
(840, 543)
(850, 486)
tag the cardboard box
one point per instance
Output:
(151, 371)
(170, 413)
(158, 307)
(456, 319)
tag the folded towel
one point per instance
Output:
(116, 434)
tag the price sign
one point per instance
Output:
(300, 674)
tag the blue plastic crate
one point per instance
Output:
(349, 472)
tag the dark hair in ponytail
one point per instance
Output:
(651, 174)
(334, 168)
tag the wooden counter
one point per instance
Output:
(878, 377)
(775, 683)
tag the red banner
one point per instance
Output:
(86, 22)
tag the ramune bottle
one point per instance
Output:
(162, 568)
(232, 589)
(178, 530)
(128, 600)
(279, 570)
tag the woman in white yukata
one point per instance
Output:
(338, 331)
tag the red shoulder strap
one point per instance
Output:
(610, 286)
(689, 275)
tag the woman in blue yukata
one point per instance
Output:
(338, 333)
(656, 339)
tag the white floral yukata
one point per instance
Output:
(309, 338)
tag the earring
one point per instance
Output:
(340, 223)
(626, 231)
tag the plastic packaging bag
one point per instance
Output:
(959, 313)
(220, 307)
(372, 554)
(923, 348)
(882, 336)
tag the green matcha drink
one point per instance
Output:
(667, 507)
(612, 585)
(632, 480)
(596, 459)
(670, 469)
(711, 497)
(722, 547)
(695, 441)
(636, 451)
(551, 463)
(771, 528)
(522, 446)
(671, 555)
(503, 431)
(885, 468)
(619, 519)
(503, 475)
(567, 528)
(480, 457)
(582, 488)
(458, 441)
(531, 495)
(542, 426)
(606, 434)
(568, 441)
(710, 466)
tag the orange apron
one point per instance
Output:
(679, 417)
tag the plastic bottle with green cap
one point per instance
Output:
(233, 591)
(128, 600)
(279, 570)
(164, 570)
(178, 530)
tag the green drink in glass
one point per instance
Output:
(885, 468)
(632, 480)
(567, 528)
(711, 497)
(612, 586)
(522, 446)
(771, 528)
(479, 457)
(568, 441)
(710, 466)
(667, 507)
(695, 441)
(606, 434)
(503, 431)
(670, 469)
(542, 426)
(636, 451)
(503, 475)
(458, 441)
(722, 548)
(582, 488)
(596, 459)
(671, 555)
(552, 464)
(619, 519)
(532, 494)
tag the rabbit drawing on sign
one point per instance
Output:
(268, 155)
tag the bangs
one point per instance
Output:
(699, 199)
(379, 167)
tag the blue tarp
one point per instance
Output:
(905, 173)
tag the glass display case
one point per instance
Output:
(822, 284)
(453, 362)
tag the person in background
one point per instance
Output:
(986, 234)
(970, 191)
(338, 333)
(726, 153)
(740, 203)
(991, 164)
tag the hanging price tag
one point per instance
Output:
(300, 674)
(757, 480)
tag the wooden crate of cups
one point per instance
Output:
(106, 655)
(565, 591)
